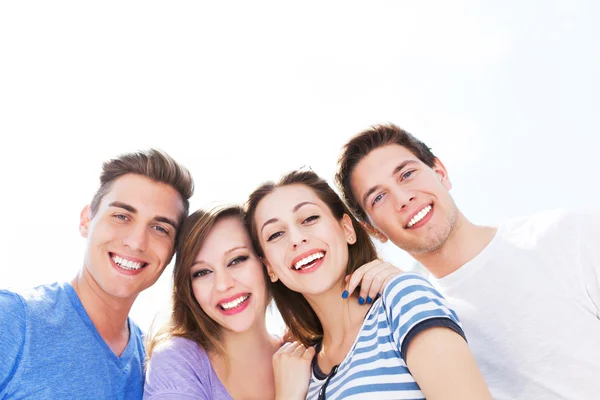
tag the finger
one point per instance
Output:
(383, 278)
(299, 351)
(309, 353)
(284, 348)
(373, 278)
(357, 276)
(293, 347)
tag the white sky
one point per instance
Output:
(506, 94)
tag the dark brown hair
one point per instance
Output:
(153, 164)
(188, 320)
(361, 145)
(298, 315)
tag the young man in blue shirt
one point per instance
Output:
(75, 340)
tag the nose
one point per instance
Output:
(136, 238)
(224, 280)
(296, 236)
(402, 198)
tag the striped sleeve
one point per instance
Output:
(412, 305)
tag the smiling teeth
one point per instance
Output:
(308, 259)
(127, 264)
(419, 216)
(234, 303)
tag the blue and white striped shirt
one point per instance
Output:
(375, 367)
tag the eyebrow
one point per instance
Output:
(235, 248)
(296, 208)
(399, 168)
(133, 210)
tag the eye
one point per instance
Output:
(122, 217)
(310, 219)
(200, 273)
(407, 174)
(161, 230)
(238, 260)
(274, 236)
(377, 199)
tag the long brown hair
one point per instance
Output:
(188, 320)
(296, 312)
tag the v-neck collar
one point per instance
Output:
(129, 349)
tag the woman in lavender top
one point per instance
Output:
(216, 345)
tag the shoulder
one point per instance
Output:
(412, 305)
(11, 304)
(405, 284)
(31, 303)
(178, 356)
(178, 365)
(410, 299)
(42, 299)
(13, 331)
(29, 306)
(548, 223)
(179, 345)
(12, 318)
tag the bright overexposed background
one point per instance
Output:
(506, 93)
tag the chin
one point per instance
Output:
(240, 328)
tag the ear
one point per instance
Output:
(84, 221)
(376, 233)
(442, 174)
(272, 275)
(348, 229)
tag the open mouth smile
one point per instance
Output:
(308, 262)
(127, 265)
(420, 216)
(235, 305)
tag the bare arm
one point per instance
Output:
(442, 364)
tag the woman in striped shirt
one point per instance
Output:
(407, 345)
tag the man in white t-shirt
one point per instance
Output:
(527, 293)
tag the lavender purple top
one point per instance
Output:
(180, 369)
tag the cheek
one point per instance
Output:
(276, 258)
(253, 277)
(163, 248)
(378, 219)
(201, 292)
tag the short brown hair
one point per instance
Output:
(188, 320)
(298, 315)
(154, 164)
(361, 145)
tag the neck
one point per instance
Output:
(108, 313)
(253, 342)
(247, 365)
(341, 318)
(464, 243)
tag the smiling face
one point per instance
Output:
(132, 235)
(305, 246)
(228, 279)
(405, 200)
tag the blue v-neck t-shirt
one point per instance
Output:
(50, 349)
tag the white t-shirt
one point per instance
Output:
(529, 306)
